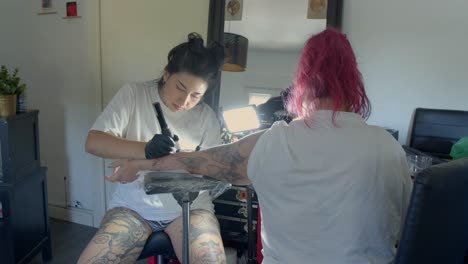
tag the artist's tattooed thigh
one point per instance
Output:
(121, 237)
(205, 240)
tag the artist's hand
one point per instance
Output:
(124, 171)
(159, 146)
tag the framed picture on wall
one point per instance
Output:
(331, 10)
(233, 10)
(46, 4)
(317, 9)
(46, 8)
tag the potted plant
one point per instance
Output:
(10, 87)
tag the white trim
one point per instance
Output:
(99, 192)
(72, 214)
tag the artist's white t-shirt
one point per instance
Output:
(131, 115)
(330, 194)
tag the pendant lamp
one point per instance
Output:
(236, 52)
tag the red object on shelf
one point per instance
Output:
(72, 9)
(259, 237)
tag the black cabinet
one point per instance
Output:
(19, 146)
(24, 222)
(237, 210)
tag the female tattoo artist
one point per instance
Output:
(128, 129)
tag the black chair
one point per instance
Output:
(158, 244)
(436, 225)
(434, 131)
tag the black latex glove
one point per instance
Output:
(160, 146)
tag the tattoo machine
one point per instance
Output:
(162, 123)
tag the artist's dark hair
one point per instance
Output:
(194, 58)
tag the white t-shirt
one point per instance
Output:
(131, 115)
(329, 194)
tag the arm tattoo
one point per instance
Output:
(221, 162)
(192, 163)
(226, 162)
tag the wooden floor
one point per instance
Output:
(68, 241)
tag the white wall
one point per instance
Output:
(411, 54)
(59, 61)
(138, 35)
(266, 69)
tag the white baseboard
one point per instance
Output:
(72, 214)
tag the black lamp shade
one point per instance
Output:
(236, 52)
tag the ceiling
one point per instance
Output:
(275, 24)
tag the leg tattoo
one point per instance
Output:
(120, 239)
(206, 245)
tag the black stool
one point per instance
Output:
(158, 244)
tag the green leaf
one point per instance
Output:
(10, 83)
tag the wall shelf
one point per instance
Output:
(47, 13)
(71, 17)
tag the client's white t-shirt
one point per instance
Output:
(131, 115)
(329, 194)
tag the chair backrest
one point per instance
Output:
(436, 225)
(435, 130)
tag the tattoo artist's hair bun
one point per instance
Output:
(195, 42)
(194, 58)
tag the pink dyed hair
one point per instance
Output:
(327, 69)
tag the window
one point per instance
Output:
(258, 98)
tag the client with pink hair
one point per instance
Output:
(332, 189)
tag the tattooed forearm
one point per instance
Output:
(229, 155)
(192, 163)
(229, 162)
(226, 162)
(223, 162)
(228, 174)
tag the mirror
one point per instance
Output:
(276, 31)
